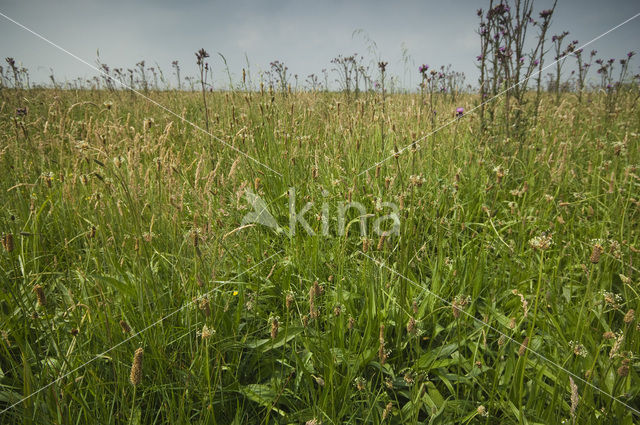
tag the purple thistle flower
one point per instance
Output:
(459, 112)
(594, 52)
(546, 13)
(522, 59)
(423, 68)
(479, 57)
(536, 62)
(630, 54)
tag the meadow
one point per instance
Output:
(132, 292)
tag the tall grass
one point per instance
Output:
(122, 215)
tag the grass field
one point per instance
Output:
(507, 296)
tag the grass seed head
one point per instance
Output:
(523, 347)
(125, 327)
(595, 253)
(574, 398)
(204, 306)
(136, 368)
(7, 242)
(39, 291)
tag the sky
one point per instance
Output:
(303, 34)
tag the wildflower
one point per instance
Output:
(546, 13)
(542, 242)
(578, 349)
(423, 69)
(200, 55)
(206, 332)
(458, 304)
(612, 299)
(136, 368)
(360, 383)
(459, 112)
(482, 411)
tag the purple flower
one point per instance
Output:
(459, 112)
(546, 13)
(522, 59)
(630, 54)
(423, 68)
(479, 57)
(609, 86)
(536, 62)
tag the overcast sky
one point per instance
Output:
(305, 35)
